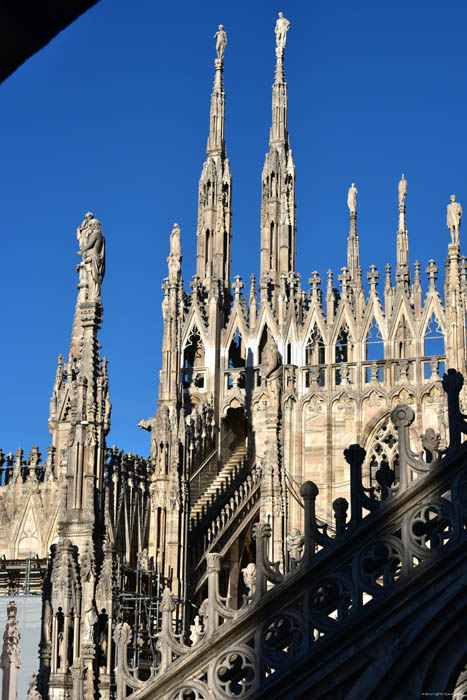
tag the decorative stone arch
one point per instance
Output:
(315, 346)
(373, 339)
(432, 335)
(381, 444)
(402, 394)
(193, 349)
(28, 539)
(403, 335)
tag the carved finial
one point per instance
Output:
(237, 288)
(387, 280)
(373, 277)
(432, 272)
(315, 281)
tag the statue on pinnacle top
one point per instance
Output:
(281, 29)
(352, 198)
(402, 189)
(453, 220)
(175, 246)
(92, 249)
(221, 42)
(175, 256)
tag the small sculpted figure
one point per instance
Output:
(249, 578)
(453, 220)
(90, 620)
(352, 198)
(402, 190)
(33, 693)
(295, 543)
(175, 246)
(221, 42)
(92, 250)
(281, 29)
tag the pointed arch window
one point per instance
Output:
(403, 341)
(193, 355)
(433, 338)
(272, 247)
(374, 345)
(315, 350)
(344, 345)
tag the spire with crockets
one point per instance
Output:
(278, 224)
(215, 188)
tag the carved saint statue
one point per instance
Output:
(175, 246)
(273, 373)
(295, 542)
(281, 29)
(90, 619)
(92, 250)
(352, 198)
(221, 42)
(402, 190)
(453, 220)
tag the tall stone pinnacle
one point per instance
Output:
(278, 217)
(353, 246)
(402, 270)
(215, 188)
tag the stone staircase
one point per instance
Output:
(237, 457)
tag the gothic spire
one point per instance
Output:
(215, 187)
(353, 246)
(80, 405)
(278, 222)
(402, 270)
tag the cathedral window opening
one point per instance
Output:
(433, 339)
(315, 349)
(374, 344)
(237, 351)
(208, 256)
(403, 346)
(290, 251)
(271, 248)
(262, 345)
(343, 345)
(289, 353)
(193, 357)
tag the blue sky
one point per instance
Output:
(112, 117)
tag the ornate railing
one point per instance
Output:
(334, 584)
(239, 503)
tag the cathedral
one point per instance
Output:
(299, 527)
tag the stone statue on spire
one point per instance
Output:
(453, 220)
(352, 198)
(281, 29)
(175, 246)
(221, 42)
(92, 249)
(402, 189)
(175, 256)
